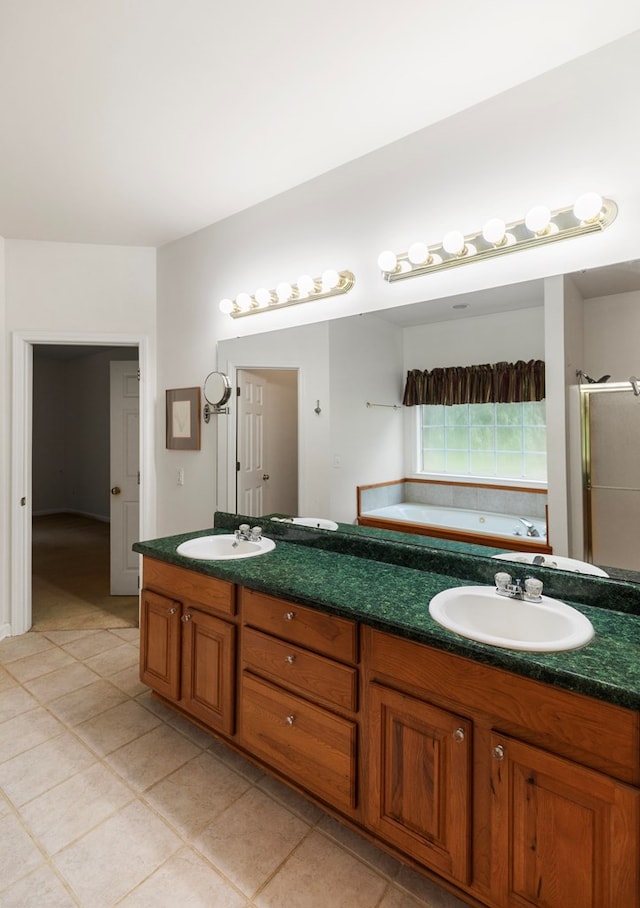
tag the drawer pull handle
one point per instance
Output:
(290, 720)
(186, 617)
(172, 611)
(458, 735)
(498, 752)
(289, 616)
(290, 659)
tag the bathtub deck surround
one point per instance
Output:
(514, 518)
(337, 682)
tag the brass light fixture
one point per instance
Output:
(305, 290)
(590, 214)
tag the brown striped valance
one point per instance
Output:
(500, 383)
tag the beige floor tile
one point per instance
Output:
(60, 682)
(114, 660)
(62, 637)
(159, 709)
(117, 726)
(368, 852)
(112, 859)
(40, 664)
(251, 839)
(91, 644)
(40, 889)
(185, 880)
(14, 702)
(235, 761)
(130, 634)
(6, 680)
(291, 799)
(397, 898)
(128, 680)
(428, 893)
(191, 731)
(18, 854)
(320, 873)
(193, 796)
(150, 758)
(26, 731)
(13, 648)
(71, 809)
(37, 770)
(80, 705)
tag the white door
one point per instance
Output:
(125, 477)
(267, 442)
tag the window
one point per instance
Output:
(504, 441)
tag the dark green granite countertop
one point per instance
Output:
(388, 585)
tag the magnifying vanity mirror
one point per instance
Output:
(217, 391)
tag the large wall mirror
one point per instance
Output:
(346, 364)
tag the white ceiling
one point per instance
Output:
(140, 121)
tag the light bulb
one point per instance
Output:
(387, 261)
(453, 242)
(284, 291)
(494, 231)
(263, 297)
(588, 207)
(306, 284)
(243, 302)
(538, 219)
(226, 306)
(330, 279)
(418, 253)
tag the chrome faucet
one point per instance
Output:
(249, 534)
(529, 589)
(531, 529)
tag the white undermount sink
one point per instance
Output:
(479, 613)
(224, 547)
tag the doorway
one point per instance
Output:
(267, 442)
(22, 409)
(74, 534)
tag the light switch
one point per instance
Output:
(180, 476)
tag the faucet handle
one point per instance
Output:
(244, 527)
(533, 589)
(502, 579)
(256, 532)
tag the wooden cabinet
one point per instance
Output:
(298, 701)
(420, 776)
(563, 836)
(187, 650)
(516, 791)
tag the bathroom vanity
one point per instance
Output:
(512, 778)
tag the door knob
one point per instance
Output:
(265, 476)
(116, 490)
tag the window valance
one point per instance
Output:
(501, 383)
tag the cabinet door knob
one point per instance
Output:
(290, 720)
(290, 659)
(186, 617)
(458, 735)
(289, 616)
(498, 752)
(172, 611)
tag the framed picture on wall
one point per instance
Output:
(183, 419)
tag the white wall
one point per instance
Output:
(612, 336)
(5, 481)
(74, 291)
(547, 140)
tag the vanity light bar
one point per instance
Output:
(590, 214)
(305, 290)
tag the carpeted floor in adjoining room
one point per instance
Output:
(71, 576)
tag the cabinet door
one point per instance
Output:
(420, 761)
(208, 669)
(563, 836)
(160, 644)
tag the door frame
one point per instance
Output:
(21, 466)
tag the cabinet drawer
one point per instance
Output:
(316, 677)
(209, 593)
(326, 634)
(306, 743)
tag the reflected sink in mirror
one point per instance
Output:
(553, 561)
(479, 613)
(224, 547)
(318, 523)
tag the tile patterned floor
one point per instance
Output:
(107, 798)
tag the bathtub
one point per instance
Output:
(478, 527)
